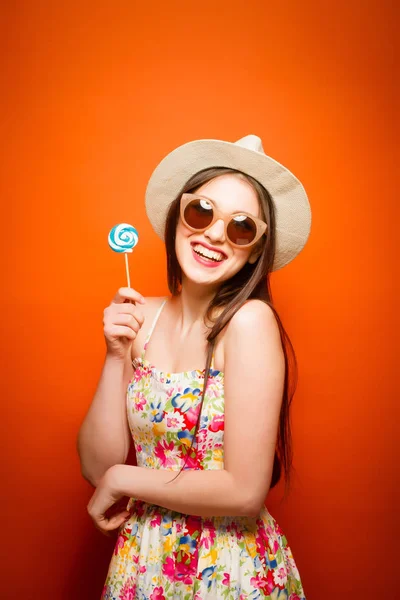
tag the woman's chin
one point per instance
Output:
(199, 279)
(201, 276)
(204, 273)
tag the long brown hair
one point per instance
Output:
(252, 281)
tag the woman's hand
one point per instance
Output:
(122, 322)
(104, 506)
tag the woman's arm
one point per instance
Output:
(254, 377)
(104, 438)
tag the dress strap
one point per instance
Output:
(212, 366)
(152, 327)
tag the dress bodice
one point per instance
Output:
(163, 409)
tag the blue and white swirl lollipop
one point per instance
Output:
(123, 238)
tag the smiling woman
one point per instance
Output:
(199, 214)
(210, 442)
(221, 217)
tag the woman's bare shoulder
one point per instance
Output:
(251, 312)
(254, 317)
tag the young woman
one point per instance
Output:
(210, 442)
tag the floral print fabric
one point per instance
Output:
(161, 554)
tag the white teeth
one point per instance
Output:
(208, 253)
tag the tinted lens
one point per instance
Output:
(198, 214)
(241, 230)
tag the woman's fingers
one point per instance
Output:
(133, 319)
(129, 294)
(122, 321)
(106, 526)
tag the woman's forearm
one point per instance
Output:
(203, 493)
(104, 438)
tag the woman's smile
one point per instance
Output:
(206, 256)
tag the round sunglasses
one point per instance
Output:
(198, 213)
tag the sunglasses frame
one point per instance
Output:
(261, 226)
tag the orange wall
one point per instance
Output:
(94, 94)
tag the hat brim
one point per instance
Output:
(292, 208)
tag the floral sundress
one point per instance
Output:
(161, 554)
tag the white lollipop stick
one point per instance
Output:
(127, 270)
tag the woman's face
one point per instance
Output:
(230, 194)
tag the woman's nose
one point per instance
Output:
(216, 232)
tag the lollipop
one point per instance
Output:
(123, 238)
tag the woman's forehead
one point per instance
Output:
(230, 194)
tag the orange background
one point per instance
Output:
(94, 94)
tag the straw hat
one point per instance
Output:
(292, 208)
